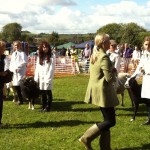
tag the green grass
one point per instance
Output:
(60, 129)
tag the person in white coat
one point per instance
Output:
(144, 67)
(44, 74)
(18, 65)
(113, 55)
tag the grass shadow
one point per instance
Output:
(144, 147)
(40, 124)
(62, 105)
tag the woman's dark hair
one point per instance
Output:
(43, 55)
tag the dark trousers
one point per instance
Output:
(18, 91)
(147, 102)
(46, 99)
(109, 118)
(1, 104)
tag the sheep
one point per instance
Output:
(122, 78)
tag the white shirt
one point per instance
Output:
(116, 60)
(136, 54)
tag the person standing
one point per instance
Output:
(127, 56)
(144, 67)
(86, 56)
(114, 56)
(18, 65)
(136, 56)
(74, 59)
(44, 74)
(101, 92)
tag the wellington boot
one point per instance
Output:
(105, 140)
(89, 136)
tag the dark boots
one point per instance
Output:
(89, 136)
(46, 101)
(105, 140)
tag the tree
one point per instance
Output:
(54, 38)
(131, 34)
(113, 29)
(11, 32)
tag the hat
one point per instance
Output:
(113, 42)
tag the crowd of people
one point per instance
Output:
(104, 61)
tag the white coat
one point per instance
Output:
(145, 65)
(44, 74)
(18, 61)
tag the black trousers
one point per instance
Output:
(1, 104)
(109, 118)
(147, 102)
(46, 99)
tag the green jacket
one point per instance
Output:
(100, 90)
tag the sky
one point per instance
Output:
(73, 16)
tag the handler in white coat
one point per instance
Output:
(18, 65)
(144, 66)
(44, 74)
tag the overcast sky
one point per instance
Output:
(73, 16)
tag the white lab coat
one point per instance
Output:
(18, 61)
(44, 74)
(145, 65)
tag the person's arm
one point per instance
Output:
(50, 74)
(107, 70)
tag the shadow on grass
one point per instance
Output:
(62, 105)
(144, 147)
(40, 124)
(142, 111)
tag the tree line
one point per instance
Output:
(131, 33)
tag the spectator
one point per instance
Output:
(101, 92)
(68, 52)
(18, 65)
(136, 56)
(127, 56)
(86, 56)
(63, 52)
(114, 56)
(74, 58)
(44, 74)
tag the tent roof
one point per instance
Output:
(82, 45)
(66, 45)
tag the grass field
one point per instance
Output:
(60, 129)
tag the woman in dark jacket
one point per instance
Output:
(100, 92)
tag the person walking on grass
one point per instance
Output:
(101, 92)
